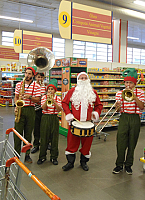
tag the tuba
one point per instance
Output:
(20, 103)
(41, 57)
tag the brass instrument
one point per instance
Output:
(41, 57)
(49, 101)
(127, 95)
(20, 103)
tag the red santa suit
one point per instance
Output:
(82, 114)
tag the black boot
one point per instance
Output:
(70, 164)
(83, 163)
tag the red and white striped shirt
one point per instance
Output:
(51, 109)
(131, 106)
(32, 89)
(42, 91)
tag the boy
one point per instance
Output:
(129, 122)
(49, 127)
(38, 111)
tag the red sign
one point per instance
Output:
(8, 53)
(87, 23)
(33, 40)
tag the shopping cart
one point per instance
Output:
(15, 190)
(11, 167)
(1, 127)
(7, 152)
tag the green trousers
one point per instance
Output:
(25, 127)
(127, 137)
(49, 128)
(38, 116)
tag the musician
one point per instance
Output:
(49, 127)
(129, 122)
(38, 112)
(82, 98)
(30, 96)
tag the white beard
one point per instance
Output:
(83, 91)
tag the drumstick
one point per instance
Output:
(78, 120)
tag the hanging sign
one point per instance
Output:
(86, 23)
(8, 53)
(25, 41)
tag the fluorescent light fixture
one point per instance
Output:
(16, 19)
(132, 38)
(141, 3)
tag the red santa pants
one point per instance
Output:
(73, 143)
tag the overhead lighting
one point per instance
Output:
(132, 38)
(141, 3)
(16, 19)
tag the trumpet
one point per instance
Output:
(20, 103)
(127, 95)
(49, 101)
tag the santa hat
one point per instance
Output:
(33, 69)
(81, 74)
(53, 83)
(130, 74)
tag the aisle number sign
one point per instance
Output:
(86, 23)
(25, 41)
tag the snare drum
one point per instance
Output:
(82, 129)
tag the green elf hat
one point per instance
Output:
(33, 68)
(53, 83)
(130, 74)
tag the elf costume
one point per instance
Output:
(129, 125)
(49, 127)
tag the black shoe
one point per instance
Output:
(68, 166)
(117, 169)
(40, 161)
(84, 166)
(35, 149)
(128, 170)
(49, 147)
(54, 161)
(28, 159)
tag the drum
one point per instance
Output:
(82, 129)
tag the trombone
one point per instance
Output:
(127, 95)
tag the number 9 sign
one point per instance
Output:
(64, 19)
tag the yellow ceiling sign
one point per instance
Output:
(64, 17)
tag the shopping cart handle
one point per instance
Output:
(26, 147)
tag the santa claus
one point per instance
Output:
(85, 106)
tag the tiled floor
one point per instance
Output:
(96, 184)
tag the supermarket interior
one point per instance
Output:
(96, 37)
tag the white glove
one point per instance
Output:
(96, 118)
(69, 117)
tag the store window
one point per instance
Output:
(135, 56)
(58, 47)
(92, 51)
(7, 38)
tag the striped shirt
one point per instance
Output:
(50, 109)
(42, 91)
(129, 106)
(32, 89)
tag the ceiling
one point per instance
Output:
(44, 13)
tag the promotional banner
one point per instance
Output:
(85, 23)
(8, 53)
(25, 41)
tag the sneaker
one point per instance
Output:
(128, 170)
(28, 159)
(40, 161)
(117, 169)
(54, 161)
(35, 149)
